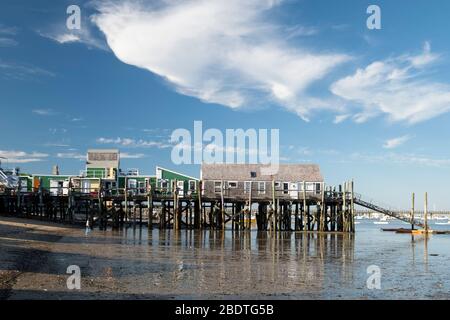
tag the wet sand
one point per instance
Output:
(134, 263)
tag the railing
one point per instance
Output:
(358, 199)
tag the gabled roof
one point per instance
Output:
(175, 172)
(242, 172)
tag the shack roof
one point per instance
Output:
(243, 172)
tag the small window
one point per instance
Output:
(232, 184)
(318, 187)
(261, 187)
(164, 184)
(285, 187)
(247, 186)
(192, 185)
(277, 185)
(217, 186)
(309, 186)
(253, 174)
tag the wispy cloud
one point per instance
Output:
(397, 87)
(44, 112)
(396, 142)
(10, 31)
(13, 156)
(12, 70)
(6, 34)
(126, 155)
(7, 42)
(224, 52)
(341, 118)
(134, 143)
(71, 155)
(86, 35)
(399, 158)
(56, 144)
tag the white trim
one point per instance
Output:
(251, 185)
(263, 191)
(178, 173)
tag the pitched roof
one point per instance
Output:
(242, 172)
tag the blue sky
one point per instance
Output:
(371, 105)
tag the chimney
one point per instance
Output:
(55, 170)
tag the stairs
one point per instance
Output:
(8, 181)
(370, 205)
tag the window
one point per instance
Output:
(309, 186)
(318, 187)
(277, 185)
(247, 186)
(261, 187)
(217, 186)
(285, 187)
(253, 174)
(164, 184)
(132, 183)
(232, 184)
(192, 185)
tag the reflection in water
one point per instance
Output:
(243, 264)
(213, 260)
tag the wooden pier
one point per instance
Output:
(331, 210)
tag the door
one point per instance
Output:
(65, 190)
(180, 186)
(54, 187)
(86, 186)
(293, 190)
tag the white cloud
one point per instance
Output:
(16, 71)
(224, 52)
(396, 87)
(85, 35)
(43, 112)
(402, 159)
(126, 155)
(139, 143)
(71, 155)
(396, 142)
(13, 156)
(7, 42)
(10, 31)
(341, 118)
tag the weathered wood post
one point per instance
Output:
(344, 207)
(175, 205)
(352, 207)
(304, 207)
(323, 210)
(412, 211)
(150, 206)
(249, 215)
(126, 198)
(426, 212)
(222, 204)
(273, 219)
(199, 198)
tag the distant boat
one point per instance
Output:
(383, 220)
(443, 223)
